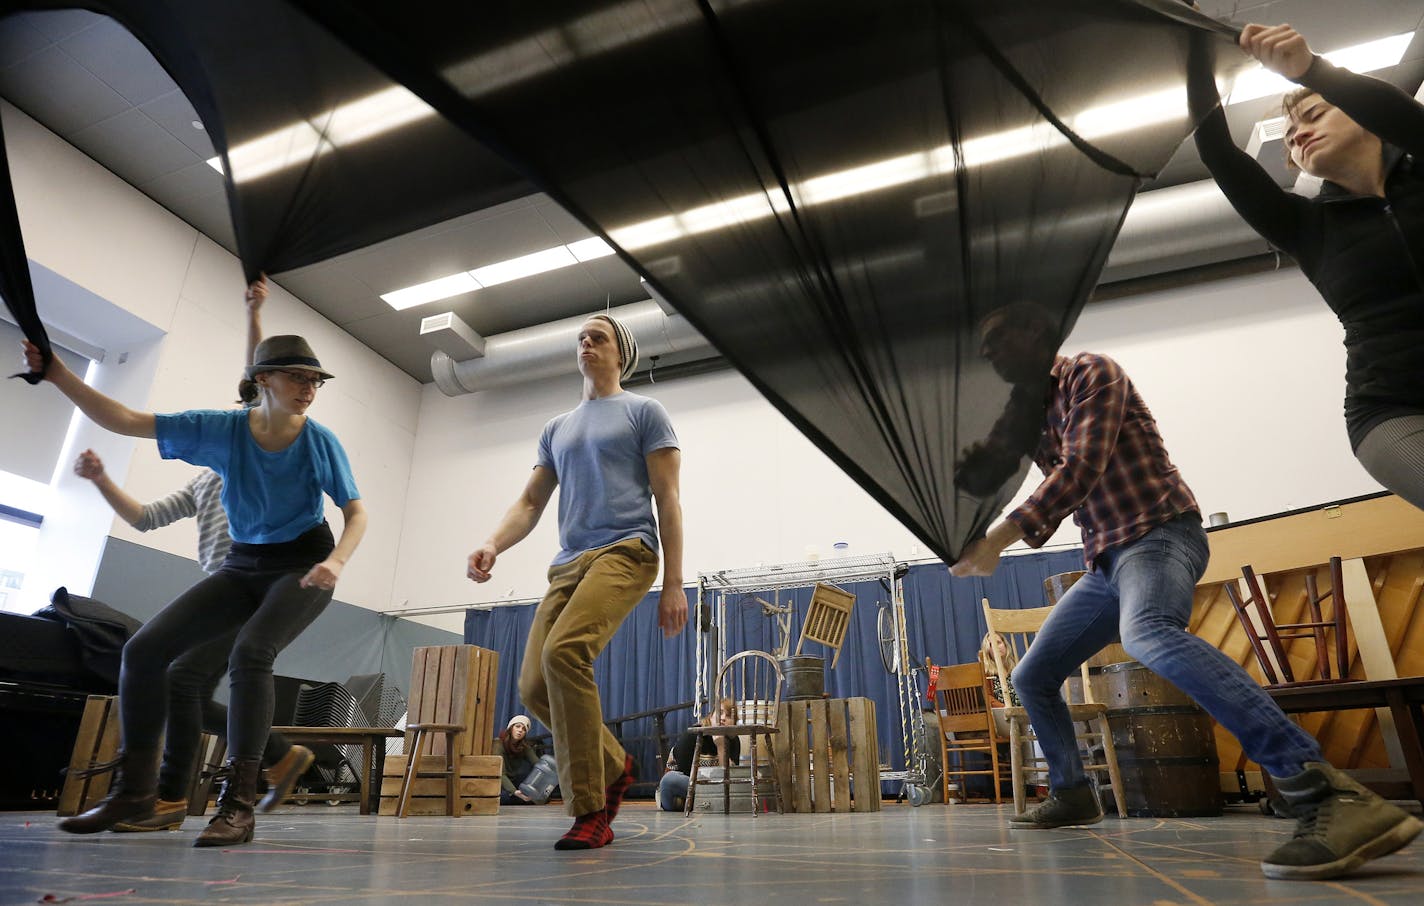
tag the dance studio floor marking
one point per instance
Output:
(966, 854)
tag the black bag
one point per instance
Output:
(100, 629)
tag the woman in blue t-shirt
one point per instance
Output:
(278, 577)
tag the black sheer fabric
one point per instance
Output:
(15, 285)
(322, 152)
(835, 194)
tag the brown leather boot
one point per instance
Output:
(233, 824)
(283, 775)
(132, 792)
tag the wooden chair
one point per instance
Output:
(966, 727)
(752, 680)
(827, 618)
(1089, 717)
(422, 733)
(451, 713)
(1316, 628)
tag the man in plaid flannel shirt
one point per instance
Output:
(1103, 460)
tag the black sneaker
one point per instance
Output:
(1062, 808)
(1340, 826)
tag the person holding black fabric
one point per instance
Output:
(1360, 242)
(194, 676)
(1104, 461)
(672, 789)
(277, 578)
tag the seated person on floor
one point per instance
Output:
(520, 756)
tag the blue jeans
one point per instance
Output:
(1142, 592)
(672, 791)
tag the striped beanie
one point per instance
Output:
(627, 345)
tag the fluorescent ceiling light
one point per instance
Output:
(500, 272)
(524, 266)
(346, 125)
(589, 249)
(1258, 82)
(443, 288)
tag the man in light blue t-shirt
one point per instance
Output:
(612, 455)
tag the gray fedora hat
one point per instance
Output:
(285, 352)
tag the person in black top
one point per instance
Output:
(1360, 242)
(519, 756)
(672, 789)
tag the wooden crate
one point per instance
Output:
(98, 741)
(455, 684)
(827, 757)
(477, 786)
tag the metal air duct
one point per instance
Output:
(549, 350)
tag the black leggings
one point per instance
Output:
(1393, 454)
(255, 600)
(192, 679)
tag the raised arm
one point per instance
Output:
(664, 471)
(516, 525)
(325, 573)
(90, 466)
(109, 414)
(1376, 105)
(256, 297)
(1270, 210)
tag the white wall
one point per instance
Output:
(152, 275)
(1245, 377)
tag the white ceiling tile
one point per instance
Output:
(62, 95)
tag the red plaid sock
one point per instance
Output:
(590, 831)
(613, 796)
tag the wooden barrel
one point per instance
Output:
(804, 677)
(1166, 750)
(1055, 587)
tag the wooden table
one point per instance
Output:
(373, 757)
(1404, 697)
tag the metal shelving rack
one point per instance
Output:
(713, 589)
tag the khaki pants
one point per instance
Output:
(588, 599)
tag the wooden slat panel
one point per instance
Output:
(98, 786)
(820, 757)
(782, 751)
(486, 682)
(468, 765)
(416, 692)
(864, 756)
(444, 695)
(840, 750)
(435, 786)
(800, 746)
(86, 744)
(429, 696)
(462, 692)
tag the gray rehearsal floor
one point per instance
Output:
(934, 854)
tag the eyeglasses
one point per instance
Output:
(303, 378)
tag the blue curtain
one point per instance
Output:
(640, 670)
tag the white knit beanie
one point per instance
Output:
(627, 346)
(519, 719)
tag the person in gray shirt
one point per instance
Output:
(610, 457)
